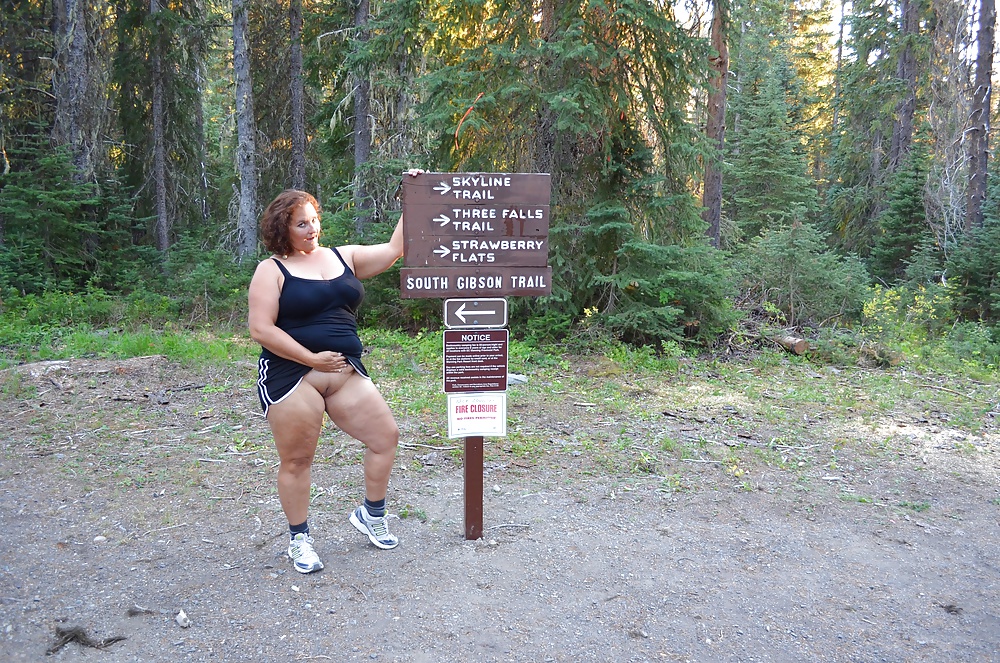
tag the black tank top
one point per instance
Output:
(322, 314)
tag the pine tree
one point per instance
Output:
(903, 224)
(596, 94)
(769, 188)
(60, 233)
(793, 269)
(973, 267)
(982, 107)
(246, 137)
(178, 35)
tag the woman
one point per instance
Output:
(303, 302)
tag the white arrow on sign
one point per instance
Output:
(460, 313)
(443, 188)
(443, 220)
(441, 251)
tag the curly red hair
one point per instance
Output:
(278, 217)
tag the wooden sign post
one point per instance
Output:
(480, 236)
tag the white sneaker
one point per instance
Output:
(300, 550)
(376, 528)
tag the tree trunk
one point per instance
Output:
(979, 122)
(793, 344)
(297, 94)
(362, 127)
(716, 127)
(199, 123)
(839, 65)
(906, 71)
(159, 135)
(70, 85)
(246, 129)
(545, 131)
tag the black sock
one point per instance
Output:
(375, 508)
(299, 529)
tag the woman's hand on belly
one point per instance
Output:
(329, 362)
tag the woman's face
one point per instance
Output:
(304, 229)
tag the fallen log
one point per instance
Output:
(793, 344)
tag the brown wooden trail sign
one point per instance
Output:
(441, 282)
(476, 251)
(475, 234)
(477, 188)
(459, 220)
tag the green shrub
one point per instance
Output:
(794, 270)
(909, 316)
(59, 232)
(973, 268)
(670, 293)
(205, 283)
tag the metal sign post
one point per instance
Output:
(477, 237)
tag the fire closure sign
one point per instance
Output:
(477, 414)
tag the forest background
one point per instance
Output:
(719, 171)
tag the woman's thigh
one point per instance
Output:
(358, 409)
(296, 422)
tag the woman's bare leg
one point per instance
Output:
(359, 410)
(296, 423)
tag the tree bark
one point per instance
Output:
(839, 65)
(362, 127)
(979, 122)
(297, 95)
(716, 126)
(159, 135)
(545, 130)
(70, 85)
(906, 70)
(199, 124)
(246, 129)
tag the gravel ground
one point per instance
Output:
(132, 491)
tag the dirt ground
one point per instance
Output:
(689, 526)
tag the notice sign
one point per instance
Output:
(477, 414)
(475, 360)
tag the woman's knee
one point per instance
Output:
(385, 440)
(296, 466)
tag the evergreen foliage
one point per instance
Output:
(792, 269)
(592, 93)
(903, 223)
(204, 282)
(867, 107)
(59, 233)
(767, 173)
(973, 268)
(187, 30)
(26, 47)
(605, 95)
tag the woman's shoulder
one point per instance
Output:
(270, 262)
(344, 252)
(268, 267)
